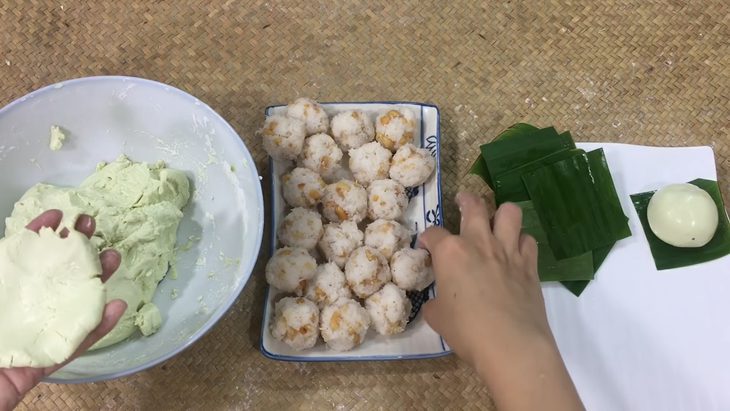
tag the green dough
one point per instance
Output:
(51, 296)
(137, 208)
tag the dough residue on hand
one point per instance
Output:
(137, 208)
(51, 296)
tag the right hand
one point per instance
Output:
(490, 308)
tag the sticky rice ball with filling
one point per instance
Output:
(366, 271)
(328, 285)
(387, 236)
(302, 187)
(283, 137)
(301, 228)
(387, 200)
(369, 162)
(322, 155)
(394, 128)
(289, 269)
(411, 269)
(310, 113)
(339, 240)
(351, 129)
(344, 324)
(296, 322)
(412, 166)
(344, 200)
(389, 310)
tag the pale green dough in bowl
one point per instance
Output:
(218, 239)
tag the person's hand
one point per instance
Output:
(490, 308)
(16, 382)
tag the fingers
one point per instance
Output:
(474, 217)
(430, 314)
(112, 313)
(432, 237)
(508, 226)
(85, 224)
(528, 249)
(50, 218)
(110, 260)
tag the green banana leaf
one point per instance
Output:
(577, 204)
(503, 155)
(550, 268)
(480, 166)
(509, 186)
(599, 256)
(575, 287)
(668, 256)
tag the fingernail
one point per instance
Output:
(83, 223)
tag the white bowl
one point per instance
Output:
(148, 121)
(418, 341)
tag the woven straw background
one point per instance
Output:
(644, 72)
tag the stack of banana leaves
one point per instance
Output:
(567, 196)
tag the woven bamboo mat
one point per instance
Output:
(643, 72)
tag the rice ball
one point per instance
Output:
(344, 200)
(411, 269)
(283, 137)
(389, 310)
(296, 322)
(366, 271)
(386, 199)
(302, 187)
(339, 240)
(310, 113)
(387, 236)
(369, 162)
(395, 128)
(321, 154)
(351, 129)
(328, 285)
(289, 269)
(344, 324)
(301, 228)
(412, 166)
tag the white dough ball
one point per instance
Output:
(328, 285)
(283, 137)
(322, 155)
(301, 228)
(344, 324)
(296, 322)
(412, 166)
(411, 269)
(339, 240)
(369, 162)
(345, 200)
(302, 187)
(366, 271)
(389, 310)
(683, 215)
(387, 236)
(394, 128)
(310, 113)
(351, 129)
(387, 200)
(289, 269)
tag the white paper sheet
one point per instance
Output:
(638, 338)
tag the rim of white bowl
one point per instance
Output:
(208, 325)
